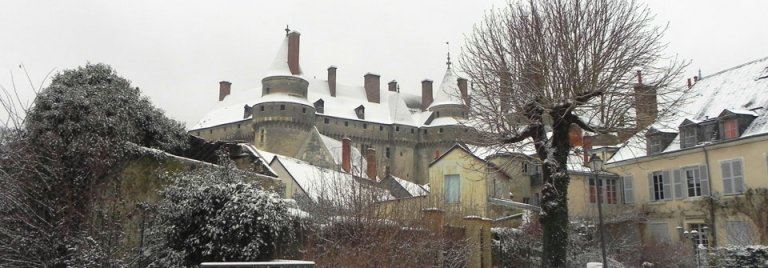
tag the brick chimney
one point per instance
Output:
(646, 103)
(225, 87)
(462, 83)
(426, 94)
(332, 80)
(690, 85)
(372, 87)
(346, 154)
(392, 86)
(370, 158)
(293, 52)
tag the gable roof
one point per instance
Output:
(741, 90)
(325, 184)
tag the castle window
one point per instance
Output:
(411, 131)
(386, 152)
(210, 131)
(437, 114)
(261, 136)
(397, 128)
(365, 126)
(441, 130)
(326, 121)
(346, 123)
(381, 128)
(425, 131)
(320, 106)
(282, 106)
(238, 126)
(261, 107)
(267, 90)
(304, 110)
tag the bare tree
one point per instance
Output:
(540, 67)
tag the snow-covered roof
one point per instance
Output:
(740, 90)
(325, 184)
(279, 65)
(448, 93)
(358, 162)
(412, 188)
(265, 156)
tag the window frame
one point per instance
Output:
(628, 188)
(730, 126)
(701, 233)
(447, 190)
(731, 180)
(693, 183)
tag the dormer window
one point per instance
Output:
(657, 141)
(360, 112)
(320, 106)
(730, 129)
(688, 138)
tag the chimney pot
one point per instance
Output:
(293, 52)
(392, 86)
(370, 158)
(426, 94)
(639, 77)
(346, 153)
(689, 83)
(225, 87)
(372, 86)
(462, 83)
(332, 80)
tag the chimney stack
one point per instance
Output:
(293, 53)
(587, 148)
(639, 77)
(225, 87)
(332, 80)
(372, 87)
(426, 94)
(689, 83)
(462, 83)
(346, 153)
(392, 86)
(370, 158)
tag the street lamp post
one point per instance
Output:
(597, 165)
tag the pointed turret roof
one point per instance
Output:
(448, 92)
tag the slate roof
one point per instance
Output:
(742, 89)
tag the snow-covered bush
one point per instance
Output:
(214, 215)
(739, 256)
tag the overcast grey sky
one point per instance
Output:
(178, 51)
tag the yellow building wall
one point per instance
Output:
(685, 211)
(473, 189)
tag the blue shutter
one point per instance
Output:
(666, 178)
(651, 196)
(704, 180)
(725, 166)
(678, 184)
(629, 195)
(738, 176)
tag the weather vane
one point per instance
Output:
(448, 46)
(287, 30)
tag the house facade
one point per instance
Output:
(706, 169)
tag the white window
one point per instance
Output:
(452, 189)
(700, 237)
(739, 233)
(659, 232)
(733, 176)
(689, 137)
(629, 195)
(611, 193)
(659, 185)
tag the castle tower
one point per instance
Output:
(283, 118)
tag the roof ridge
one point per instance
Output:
(735, 67)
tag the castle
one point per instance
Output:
(318, 121)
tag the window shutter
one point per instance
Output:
(667, 184)
(678, 184)
(738, 176)
(629, 196)
(704, 180)
(651, 196)
(727, 181)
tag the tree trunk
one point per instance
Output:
(554, 206)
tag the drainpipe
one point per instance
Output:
(711, 200)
